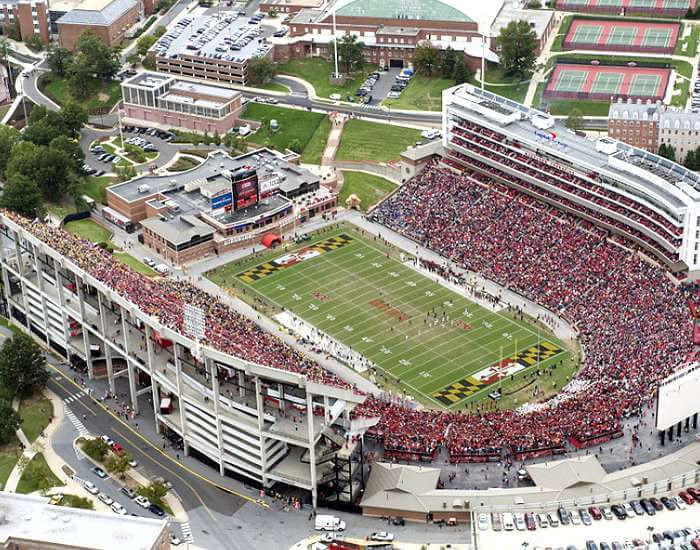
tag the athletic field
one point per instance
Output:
(444, 349)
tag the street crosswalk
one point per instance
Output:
(74, 397)
(186, 532)
(82, 430)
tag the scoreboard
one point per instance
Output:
(246, 188)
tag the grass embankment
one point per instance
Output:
(36, 413)
(369, 189)
(373, 142)
(101, 95)
(37, 476)
(423, 93)
(316, 71)
(296, 126)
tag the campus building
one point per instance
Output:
(264, 424)
(30, 523)
(30, 18)
(391, 29)
(650, 125)
(651, 201)
(109, 20)
(214, 47)
(222, 204)
(157, 99)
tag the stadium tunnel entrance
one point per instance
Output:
(270, 240)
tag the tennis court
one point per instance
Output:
(574, 81)
(631, 7)
(625, 36)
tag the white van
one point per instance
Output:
(162, 269)
(508, 523)
(329, 523)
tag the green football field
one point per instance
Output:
(443, 348)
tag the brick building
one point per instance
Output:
(288, 6)
(157, 99)
(391, 29)
(222, 204)
(30, 18)
(108, 19)
(650, 125)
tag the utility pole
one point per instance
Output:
(483, 61)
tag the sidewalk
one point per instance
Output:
(333, 141)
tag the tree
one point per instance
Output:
(22, 366)
(260, 70)
(295, 145)
(125, 173)
(58, 59)
(9, 137)
(72, 149)
(350, 52)
(575, 120)
(517, 43)
(461, 72)
(217, 138)
(95, 449)
(10, 421)
(118, 464)
(144, 44)
(74, 117)
(690, 160)
(43, 126)
(160, 31)
(53, 170)
(427, 59)
(79, 73)
(667, 151)
(449, 60)
(23, 196)
(102, 60)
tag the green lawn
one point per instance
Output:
(374, 142)
(4, 109)
(89, 229)
(101, 95)
(37, 475)
(295, 124)
(425, 337)
(9, 454)
(316, 71)
(35, 413)
(95, 187)
(313, 152)
(422, 94)
(135, 264)
(61, 209)
(4, 321)
(512, 87)
(689, 46)
(369, 188)
(274, 87)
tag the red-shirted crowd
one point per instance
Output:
(633, 321)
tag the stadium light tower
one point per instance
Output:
(483, 60)
(335, 41)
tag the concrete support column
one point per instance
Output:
(22, 274)
(108, 349)
(129, 362)
(211, 369)
(241, 384)
(280, 390)
(326, 410)
(40, 284)
(178, 382)
(152, 372)
(312, 449)
(261, 426)
(61, 304)
(86, 332)
(5, 279)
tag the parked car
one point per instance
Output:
(619, 511)
(636, 507)
(530, 521)
(585, 517)
(149, 261)
(483, 522)
(90, 487)
(508, 523)
(607, 514)
(128, 492)
(157, 510)
(105, 498)
(117, 449)
(564, 517)
(656, 503)
(693, 492)
(542, 521)
(118, 509)
(99, 472)
(383, 536)
(520, 521)
(553, 519)
(496, 521)
(648, 507)
(595, 513)
(686, 497)
(680, 503)
(142, 501)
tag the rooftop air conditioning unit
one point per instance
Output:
(144, 188)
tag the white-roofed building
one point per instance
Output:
(391, 29)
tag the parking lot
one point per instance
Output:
(99, 160)
(651, 524)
